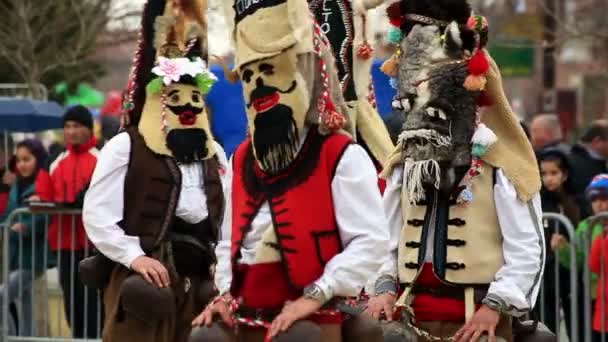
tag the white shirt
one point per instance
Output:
(104, 200)
(361, 224)
(517, 283)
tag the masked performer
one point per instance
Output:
(346, 24)
(462, 194)
(307, 222)
(156, 202)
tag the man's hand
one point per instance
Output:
(18, 227)
(558, 242)
(381, 303)
(217, 307)
(485, 320)
(152, 270)
(292, 312)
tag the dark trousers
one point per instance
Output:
(596, 336)
(78, 301)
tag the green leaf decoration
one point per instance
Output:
(204, 83)
(154, 86)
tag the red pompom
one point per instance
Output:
(365, 51)
(478, 64)
(396, 22)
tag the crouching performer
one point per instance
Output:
(308, 229)
(462, 197)
(156, 201)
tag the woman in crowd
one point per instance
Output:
(26, 236)
(557, 196)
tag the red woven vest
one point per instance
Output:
(302, 211)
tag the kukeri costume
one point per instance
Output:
(158, 190)
(306, 211)
(462, 186)
(347, 26)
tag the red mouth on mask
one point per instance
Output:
(265, 103)
(187, 118)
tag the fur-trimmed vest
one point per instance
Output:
(152, 189)
(301, 205)
(467, 238)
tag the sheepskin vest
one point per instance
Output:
(467, 248)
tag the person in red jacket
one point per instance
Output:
(66, 182)
(597, 193)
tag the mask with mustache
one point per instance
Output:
(188, 135)
(440, 114)
(277, 103)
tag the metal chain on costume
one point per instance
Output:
(234, 305)
(422, 332)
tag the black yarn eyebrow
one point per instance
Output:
(173, 92)
(266, 67)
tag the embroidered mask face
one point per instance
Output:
(277, 101)
(187, 136)
(440, 114)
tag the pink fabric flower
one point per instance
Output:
(170, 69)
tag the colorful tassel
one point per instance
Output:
(394, 35)
(477, 23)
(333, 120)
(478, 64)
(465, 196)
(390, 67)
(475, 83)
(393, 82)
(365, 51)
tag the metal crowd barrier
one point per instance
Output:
(61, 309)
(581, 311)
(558, 219)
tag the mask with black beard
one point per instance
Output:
(275, 139)
(277, 102)
(187, 145)
(440, 114)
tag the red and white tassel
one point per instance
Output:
(329, 117)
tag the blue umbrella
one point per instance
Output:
(25, 115)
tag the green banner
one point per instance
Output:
(514, 59)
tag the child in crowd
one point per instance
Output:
(27, 242)
(597, 193)
(557, 196)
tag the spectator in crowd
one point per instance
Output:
(546, 132)
(558, 196)
(6, 175)
(598, 195)
(26, 235)
(589, 159)
(595, 191)
(69, 177)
